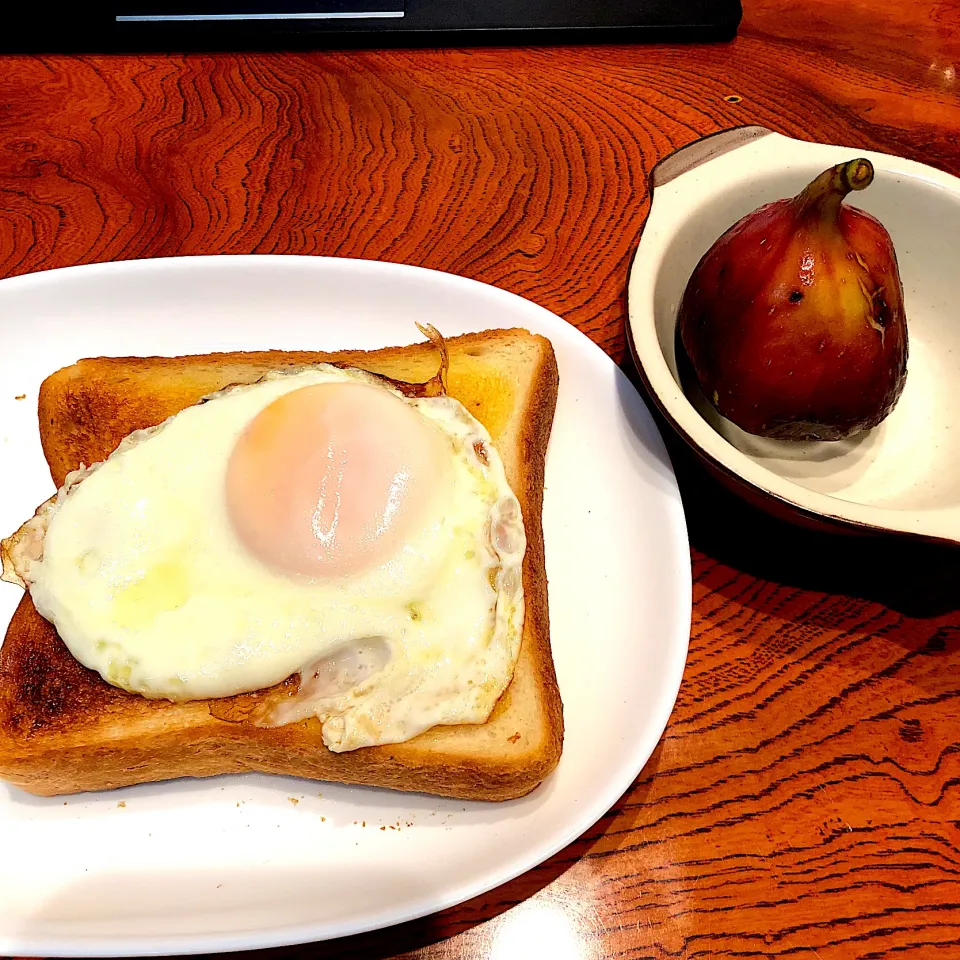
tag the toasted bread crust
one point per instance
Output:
(63, 729)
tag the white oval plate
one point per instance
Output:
(232, 862)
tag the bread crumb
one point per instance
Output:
(293, 800)
(323, 819)
(383, 828)
(20, 396)
(122, 803)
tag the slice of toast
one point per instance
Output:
(63, 729)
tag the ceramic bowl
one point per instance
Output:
(904, 475)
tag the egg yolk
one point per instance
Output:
(330, 479)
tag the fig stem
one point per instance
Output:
(824, 195)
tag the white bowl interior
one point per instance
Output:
(912, 460)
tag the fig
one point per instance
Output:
(793, 320)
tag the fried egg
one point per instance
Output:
(319, 522)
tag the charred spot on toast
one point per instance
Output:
(46, 689)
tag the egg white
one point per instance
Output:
(148, 584)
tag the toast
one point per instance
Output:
(63, 729)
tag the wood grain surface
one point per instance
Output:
(805, 799)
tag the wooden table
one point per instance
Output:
(805, 799)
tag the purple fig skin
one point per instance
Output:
(793, 320)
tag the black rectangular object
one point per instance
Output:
(188, 11)
(133, 26)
